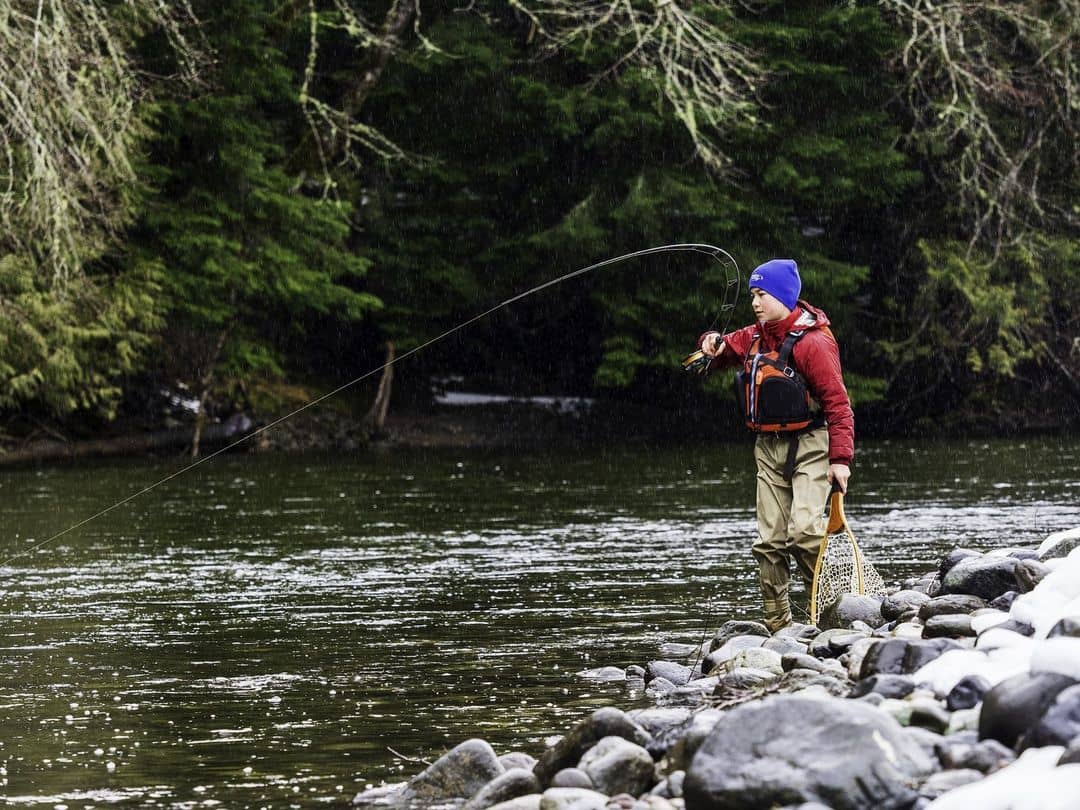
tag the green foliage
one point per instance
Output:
(68, 350)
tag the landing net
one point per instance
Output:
(840, 568)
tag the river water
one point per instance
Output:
(280, 631)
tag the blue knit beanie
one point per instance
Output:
(780, 279)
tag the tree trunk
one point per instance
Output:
(376, 415)
(206, 384)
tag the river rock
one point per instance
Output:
(678, 674)
(1068, 627)
(951, 603)
(606, 722)
(530, 802)
(679, 755)
(944, 781)
(739, 682)
(1014, 626)
(820, 646)
(1030, 573)
(948, 625)
(733, 646)
(987, 577)
(517, 759)
(802, 633)
(1015, 705)
(509, 785)
(790, 749)
(1004, 602)
(604, 674)
(728, 631)
(968, 692)
(783, 645)
(659, 686)
(886, 685)
(659, 722)
(616, 765)
(927, 713)
(635, 671)
(792, 661)
(902, 656)
(1059, 544)
(1060, 723)
(901, 603)
(985, 756)
(572, 799)
(851, 608)
(1071, 755)
(458, 774)
(756, 658)
(949, 561)
(572, 778)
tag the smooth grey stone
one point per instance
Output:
(729, 649)
(986, 577)
(802, 633)
(675, 783)
(745, 678)
(949, 561)
(985, 756)
(659, 721)
(458, 774)
(900, 603)
(675, 649)
(604, 674)
(1059, 544)
(1069, 626)
(693, 694)
(1015, 705)
(517, 759)
(851, 608)
(1060, 723)
(1023, 628)
(635, 671)
(510, 785)
(886, 685)
(792, 661)
(530, 802)
(572, 799)
(820, 646)
(784, 645)
(841, 644)
(1004, 602)
(967, 693)
(728, 631)
(951, 603)
(901, 656)
(756, 658)
(659, 686)
(606, 722)
(788, 749)
(678, 674)
(927, 584)
(930, 715)
(944, 781)
(572, 778)
(948, 625)
(616, 766)
(835, 683)
(1030, 573)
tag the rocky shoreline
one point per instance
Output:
(959, 690)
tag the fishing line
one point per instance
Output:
(709, 250)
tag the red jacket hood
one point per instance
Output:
(805, 316)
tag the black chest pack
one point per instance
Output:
(773, 396)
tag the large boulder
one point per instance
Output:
(737, 627)
(1015, 706)
(510, 785)
(1060, 724)
(458, 774)
(851, 608)
(1059, 544)
(792, 749)
(986, 577)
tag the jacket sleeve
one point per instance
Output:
(738, 344)
(818, 358)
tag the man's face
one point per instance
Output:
(767, 308)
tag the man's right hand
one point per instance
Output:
(712, 344)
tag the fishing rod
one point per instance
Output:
(719, 254)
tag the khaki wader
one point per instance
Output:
(789, 515)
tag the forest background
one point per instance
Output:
(242, 201)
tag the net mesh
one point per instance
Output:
(841, 568)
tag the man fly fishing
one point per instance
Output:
(791, 393)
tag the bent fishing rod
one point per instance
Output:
(710, 250)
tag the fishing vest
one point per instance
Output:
(773, 396)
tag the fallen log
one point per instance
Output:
(55, 450)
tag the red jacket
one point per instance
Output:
(816, 357)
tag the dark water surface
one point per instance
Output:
(264, 630)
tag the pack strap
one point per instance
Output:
(793, 446)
